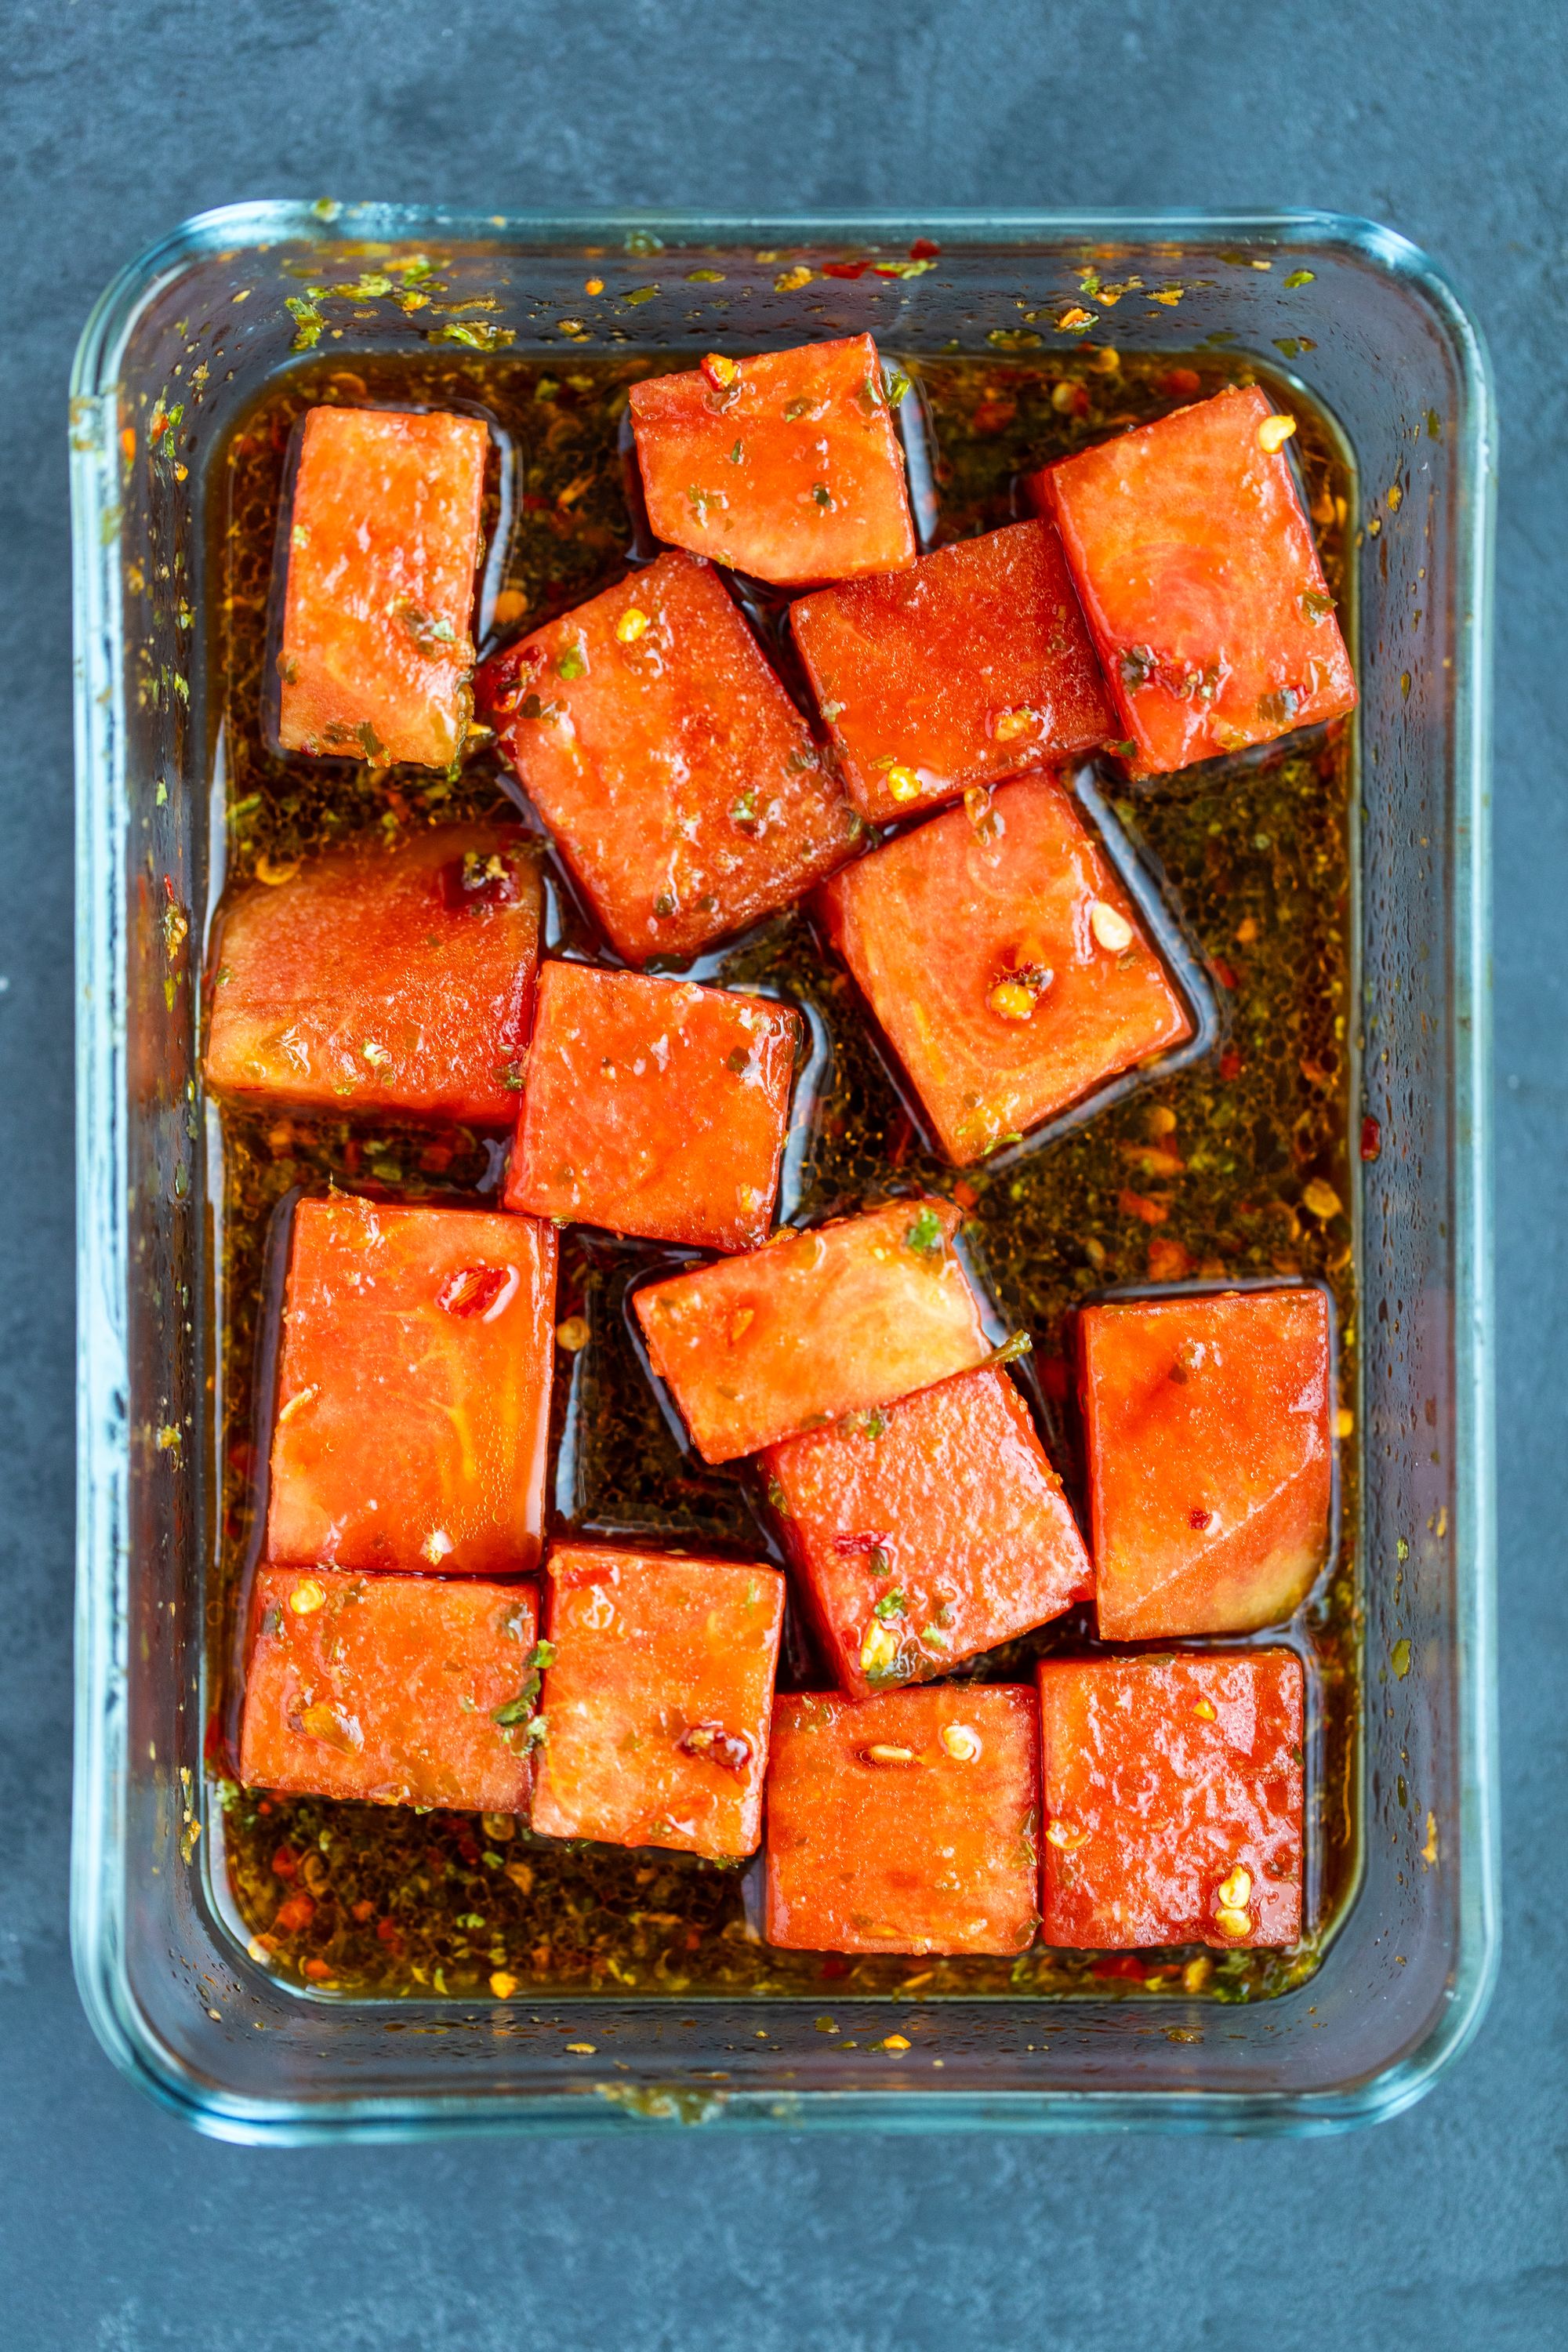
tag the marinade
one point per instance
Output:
(1233, 1169)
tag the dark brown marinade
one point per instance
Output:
(1254, 855)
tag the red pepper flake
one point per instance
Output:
(318, 1969)
(732, 1750)
(1169, 1261)
(1371, 1139)
(1200, 1519)
(1230, 1065)
(834, 1965)
(1181, 383)
(1119, 1964)
(364, 1911)
(1138, 1205)
(1225, 973)
(844, 268)
(473, 881)
(389, 1933)
(923, 249)
(297, 1913)
(285, 1863)
(481, 1290)
(965, 1194)
(992, 416)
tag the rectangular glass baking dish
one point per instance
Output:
(1374, 333)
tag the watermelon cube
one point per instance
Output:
(816, 1325)
(927, 1530)
(654, 1107)
(394, 1690)
(376, 659)
(1173, 1800)
(658, 1695)
(413, 1390)
(965, 670)
(1199, 578)
(679, 781)
(377, 980)
(785, 466)
(1210, 1452)
(905, 1822)
(1004, 963)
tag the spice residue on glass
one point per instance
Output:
(1233, 1169)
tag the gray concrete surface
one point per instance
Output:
(118, 2229)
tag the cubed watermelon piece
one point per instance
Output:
(785, 466)
(1199, 578)
(654, 1107)
(376, 660)
(1005, 963)
(813, 1325)
(966, 669)
(927, 1530)
(381, 981)
(414, 1389)
(395, 1690)
(1173, 1800)
(905, 1822)
(1210, 1453)
(677, 777)
(657, 1695)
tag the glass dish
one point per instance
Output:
(1371, 331)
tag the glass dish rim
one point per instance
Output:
(103, 1437)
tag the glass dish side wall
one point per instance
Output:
(1378, 340)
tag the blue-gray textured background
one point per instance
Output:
(118, 2228)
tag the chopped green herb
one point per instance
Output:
(308, 322)
(925, 1236)
(475, 334)
(1299, 278)
(518, 1709)
(890, 1606)
(572, 663)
